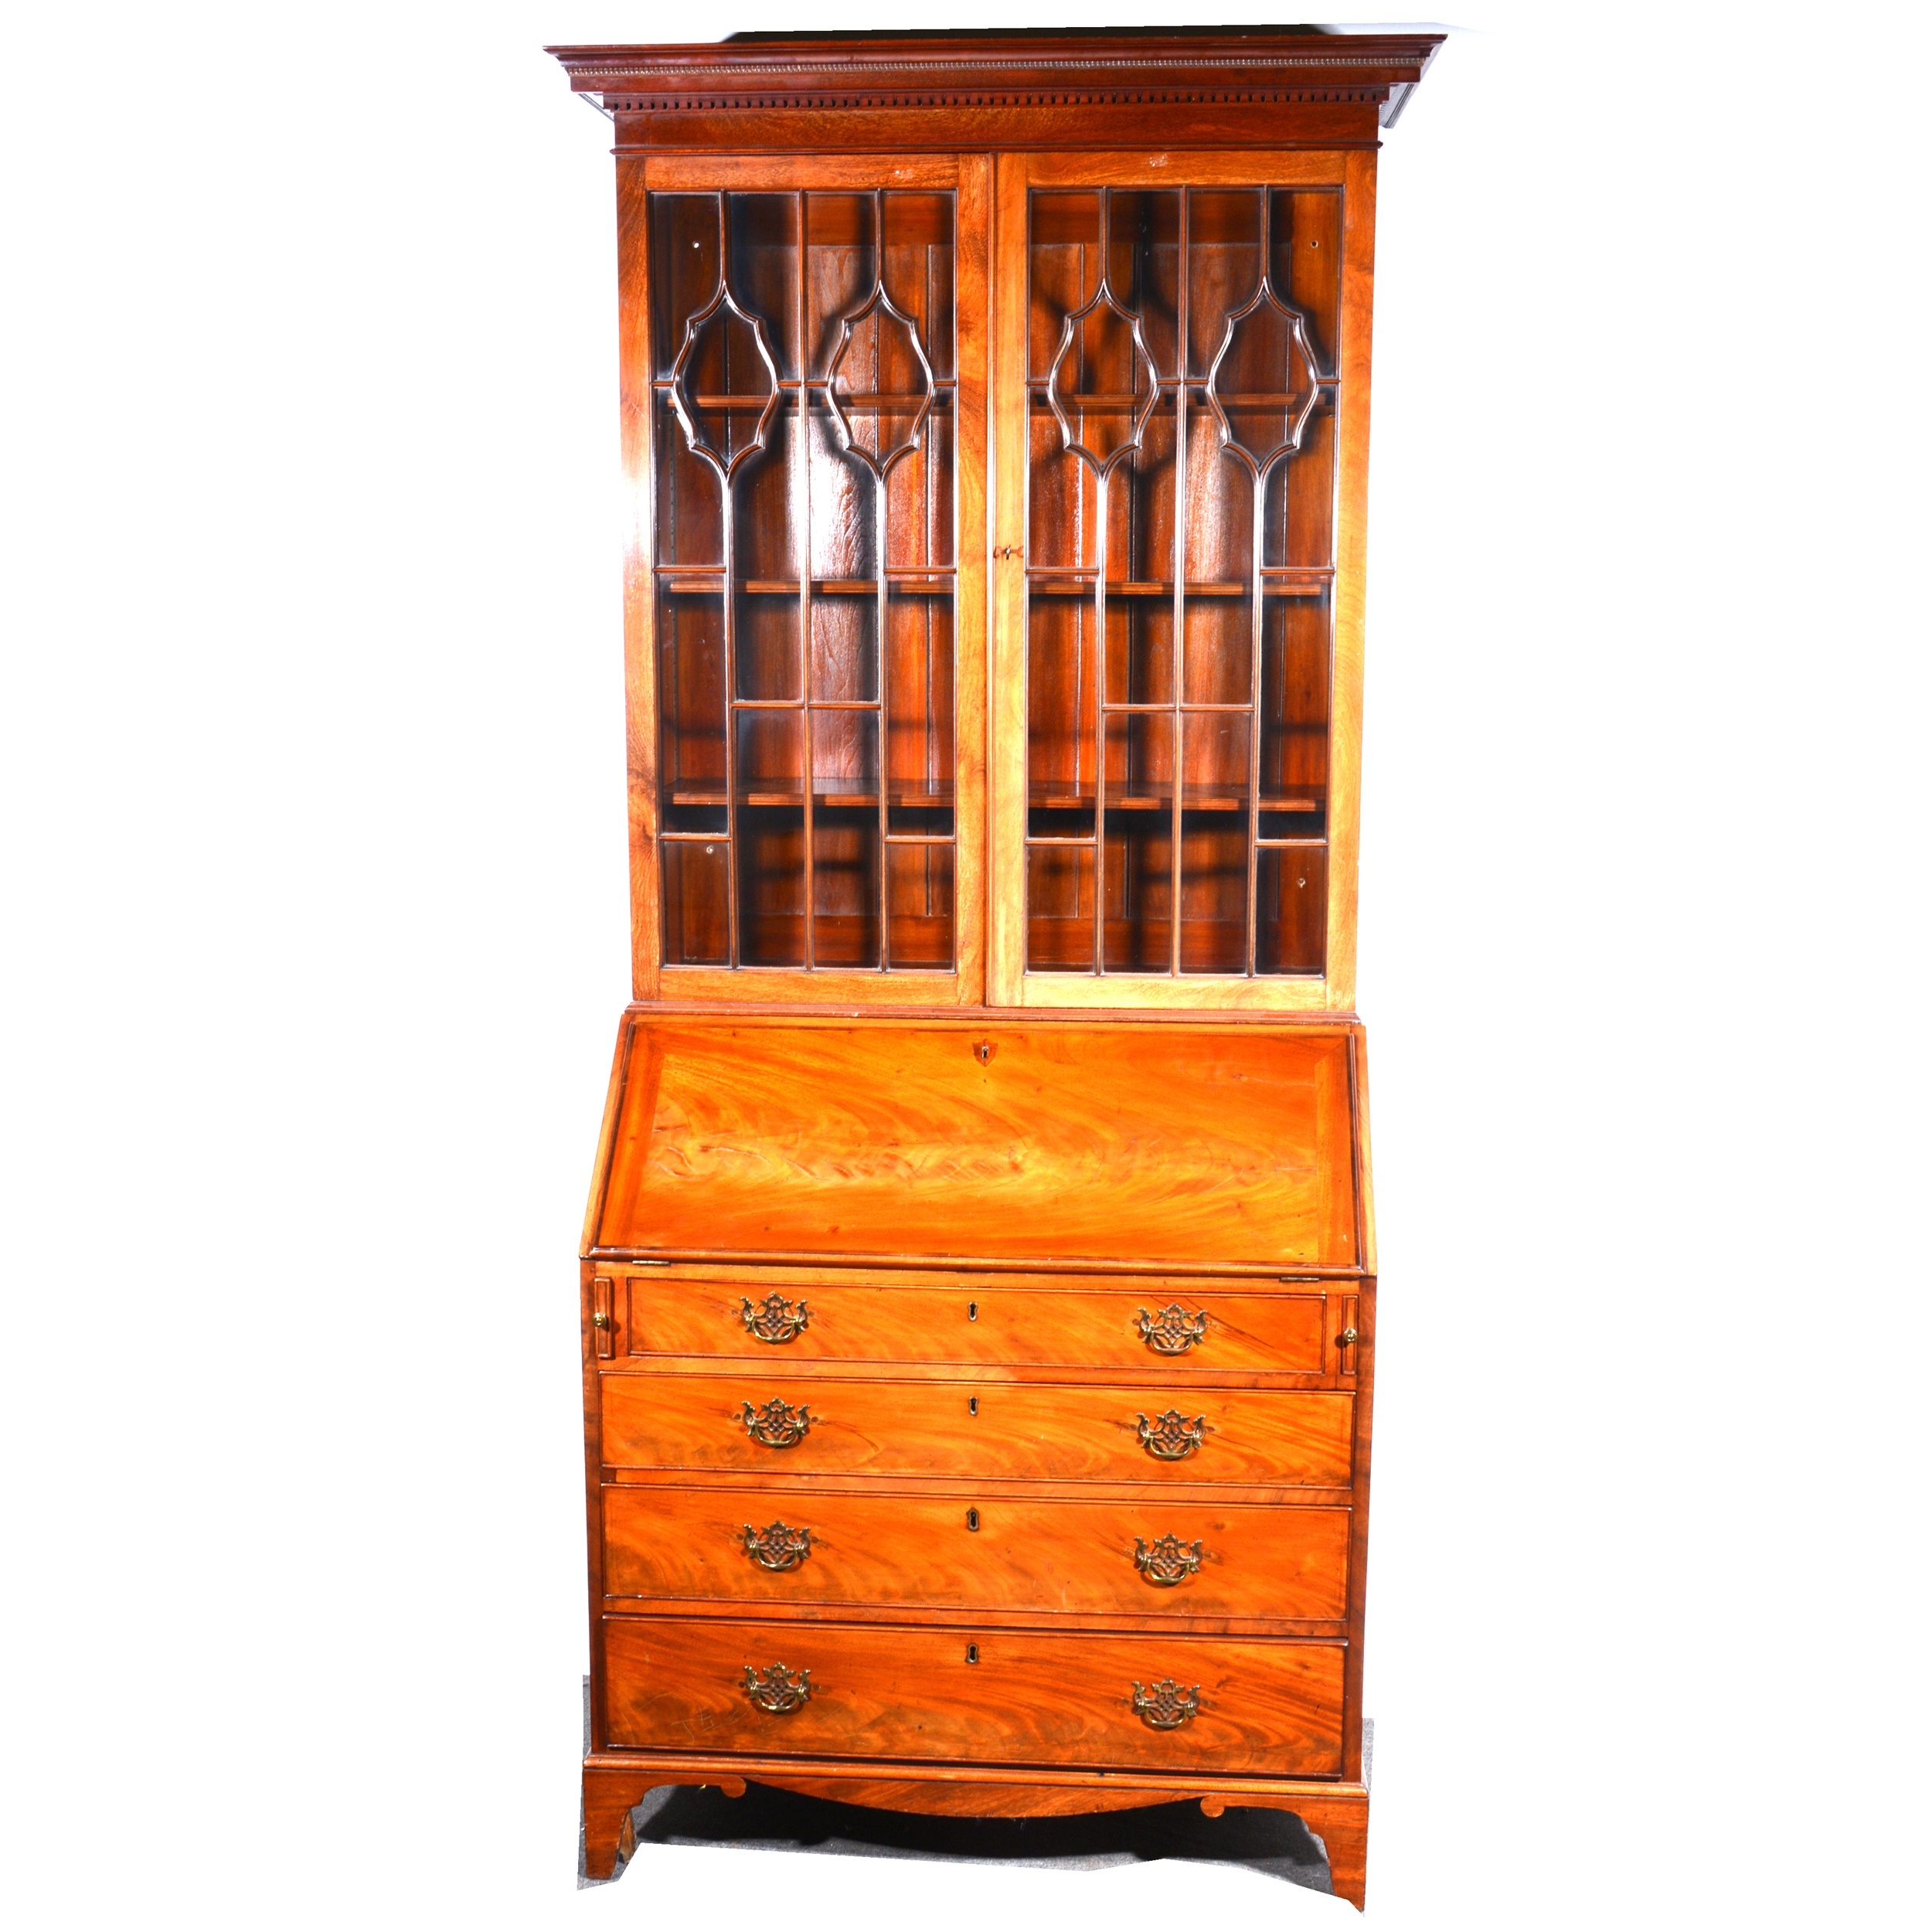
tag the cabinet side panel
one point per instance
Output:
(640, 653)
(1364, 1420)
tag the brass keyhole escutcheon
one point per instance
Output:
(972, 1520)
(972, 1653)
(983, 1050)
(972, 1405)
(972, 1310)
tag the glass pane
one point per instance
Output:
(1296, 632)
(844, 872)
(1291, 889)
(1060, 698)
(1140, 648)
(918, 716)
(1214, 892)
(697, 930)
(691, 696)
(1218, 700)
(1139, 854)
(844, 645)
(803, 348)
(766, 640)
(690, 498)
(845, 760)
(919, 893)
(771, 868)
(1059, 909)
(1214, 843)
(919, 496)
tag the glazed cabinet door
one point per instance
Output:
(803, 365)
(1180, 370)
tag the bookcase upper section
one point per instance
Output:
(996, 424)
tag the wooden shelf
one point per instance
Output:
(837, 794)
(1116, 402)
(1058, 583)
(1193, 798)
(935, 583)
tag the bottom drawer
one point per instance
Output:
(1223, 1704)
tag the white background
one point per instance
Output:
(314, 913)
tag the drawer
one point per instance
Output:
(781, 1545)
(1076, 1325)
(720, 1684)
(787, 1426)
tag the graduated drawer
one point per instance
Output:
(718, 1684)
(801, 1425)
(1085, 1558)
(1209, 1325)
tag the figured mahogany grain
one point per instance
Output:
(1190, 1147)
(1064, 1558)
(1066, 1432)
(1072, 1326)
(679, 1684)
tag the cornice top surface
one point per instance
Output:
(1307, 56)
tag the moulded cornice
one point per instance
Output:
(1004, 70)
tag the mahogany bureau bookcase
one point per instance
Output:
(978, 1282)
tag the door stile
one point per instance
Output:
(1350, 560)
(801, 511)
(1006, 701)
(637, 422)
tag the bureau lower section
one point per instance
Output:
(1167, 1703)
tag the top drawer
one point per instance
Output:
(1110, 1323)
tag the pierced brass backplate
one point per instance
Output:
(777, 1424)
(777, 1546)
(1171, 1436)
(1166, 1560)
(775, 1319)
(777, 1690)
(1167, 1707)
(1173, 1330)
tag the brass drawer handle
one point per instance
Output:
(601, 1319)
(1166, 1560)
(775, 1319)
(778, 1425)
(1167, 1707)
(777, 1546)
(1173, 1330)
(1172, 1436)
(1347, 1339)
(776, 1690)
